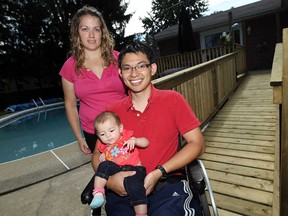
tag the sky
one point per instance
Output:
(140, 8)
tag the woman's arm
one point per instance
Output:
(72, 114)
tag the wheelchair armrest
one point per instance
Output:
(87, 193)
(195, 177)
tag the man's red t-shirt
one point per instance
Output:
(166, 115)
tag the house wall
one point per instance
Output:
(260, 42)
(170, 46)
(219, 30)
(266, 31)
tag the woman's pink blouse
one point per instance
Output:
(94, 93)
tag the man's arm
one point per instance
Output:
(193, 149)
(96, 157)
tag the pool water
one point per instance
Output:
(35, 133)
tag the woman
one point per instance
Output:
(90, 75)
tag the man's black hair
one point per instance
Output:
(137, 47)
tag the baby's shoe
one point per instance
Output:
(97, 201)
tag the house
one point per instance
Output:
(257, 26)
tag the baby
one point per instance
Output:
(118, 153)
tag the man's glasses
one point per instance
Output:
(139, 67)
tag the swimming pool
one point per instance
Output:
(34, 133)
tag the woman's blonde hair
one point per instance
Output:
(107, 41)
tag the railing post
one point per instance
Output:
(284, 130)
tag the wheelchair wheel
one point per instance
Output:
(96, 212)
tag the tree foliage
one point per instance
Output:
(35, 40)
(35, 33)
(165, 13)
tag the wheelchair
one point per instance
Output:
(198, 181)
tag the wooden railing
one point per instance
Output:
(279, 82)
(206, 86)
(189, 59)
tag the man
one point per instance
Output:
(160, 116)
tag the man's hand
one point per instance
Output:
(116, 182)
(151, 180)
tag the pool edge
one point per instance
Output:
(22, 173)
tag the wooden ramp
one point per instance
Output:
(241, 150)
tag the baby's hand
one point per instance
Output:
(102, 157)
(131, 143)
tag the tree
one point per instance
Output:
(28, 26)
(35, 39)
(165, 13)
(35, 33)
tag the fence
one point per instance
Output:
(206, 86)
(279, 82)
(179, 61)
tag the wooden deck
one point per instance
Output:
(242, 154)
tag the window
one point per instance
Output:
(213, 40)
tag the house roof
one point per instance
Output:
(244, 12)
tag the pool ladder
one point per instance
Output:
(40, 101)
(39, 113)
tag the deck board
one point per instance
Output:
(240, 149)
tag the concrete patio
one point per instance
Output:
(41, 185)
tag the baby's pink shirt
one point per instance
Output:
(120, 154)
